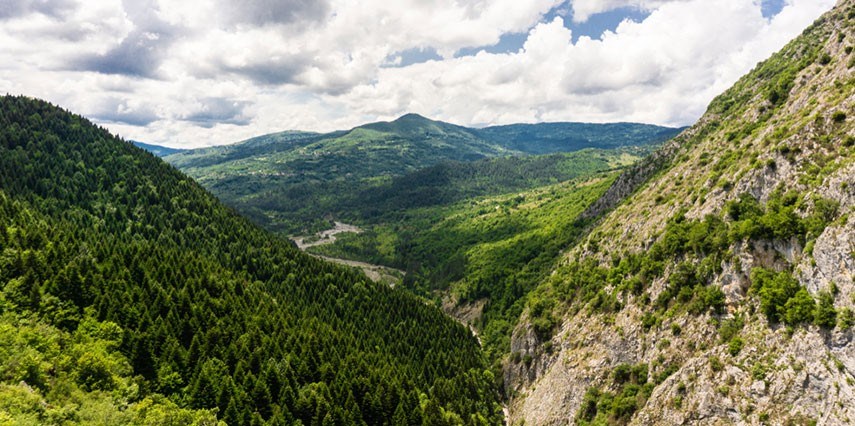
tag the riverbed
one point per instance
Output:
(377, 273)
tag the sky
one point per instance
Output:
(202, 73)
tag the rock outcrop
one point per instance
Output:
(788, 127)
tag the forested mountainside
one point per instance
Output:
(478, 257)
(130, 295)
(288, 182)
(718, 286)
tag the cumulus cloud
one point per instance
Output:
(662, 70)
(139, 55)
(263, 12)
(209, 112)
(17, 8)
(141, 51)
(217, 71)
(122, 111)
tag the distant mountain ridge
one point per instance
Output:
(289, 179)
(529, 138)
(158, 150)
(544, 138)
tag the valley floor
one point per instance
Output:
(377, 273)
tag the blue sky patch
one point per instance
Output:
(594, 27)
(770, 8)
(412, 56)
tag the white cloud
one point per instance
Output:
(663, 70)
(214, 75)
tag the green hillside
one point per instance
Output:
(290, 182)
(128, 294)
(480, 257)
(477, 237)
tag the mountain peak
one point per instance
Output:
(411, 116)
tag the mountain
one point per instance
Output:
(545, 138)
(717, 284)
(383, 148)
(289, 182)
(160, 151)
(130, 295)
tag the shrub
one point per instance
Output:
(707, 298)
(667, 372)
(621, 373)
(715, 364)
(730, 328)
(543, 326)
(799, 308)
(541, 314)
(774, 291)
(846, 319)
(825, 315)
(588, 409)
(758, 371)
(648, 320)
(735, 346)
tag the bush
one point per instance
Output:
(730, 328)
(735, 346)
(541, 316)
(648, 320)
(799, 308)
(622, 373)
(631, 392)
(588, 409)
(825, 315)
(781, 223)
(543, 326)
(846, 319)
(758, 371)
(774, 291)
(707, 298)
(716, 364)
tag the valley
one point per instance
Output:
(288, 182)
(457, 233)
(513, 245)
(327, 236)
(416, 272)
(377, 273)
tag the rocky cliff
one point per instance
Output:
(717, 287)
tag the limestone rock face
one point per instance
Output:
(732, 366)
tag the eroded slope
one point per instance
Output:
(720, 291)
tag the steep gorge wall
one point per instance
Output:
(753, 141)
